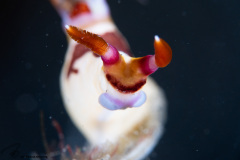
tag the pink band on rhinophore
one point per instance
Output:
(163, 55)
(147, 64)
(111, 56)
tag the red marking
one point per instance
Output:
(79, 8)
(96, 55)
(75, 71)
(113, 38)
(93, 151)
(79, 51)
(125, 89)
(118, 41)
(114, 151)
(69, 149)
(57, 126)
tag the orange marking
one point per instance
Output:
(163, 52)
(92, 41)
(79, 8)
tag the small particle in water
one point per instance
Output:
(62, 45)
(46, 34)
(50, 117)
(119, 1)
(47, 65)
(46, 46)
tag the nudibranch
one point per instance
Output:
(126, 75)
(107, 92)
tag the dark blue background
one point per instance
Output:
(201, 83)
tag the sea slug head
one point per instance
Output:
(126, 75)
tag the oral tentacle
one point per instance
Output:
(112, 102)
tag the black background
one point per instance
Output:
(201, 83)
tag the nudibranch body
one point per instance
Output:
(106, 92)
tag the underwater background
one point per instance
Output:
(201, 83)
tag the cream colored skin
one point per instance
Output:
(81, 93)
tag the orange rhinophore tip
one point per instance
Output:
(163, 52)
(90, 40)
